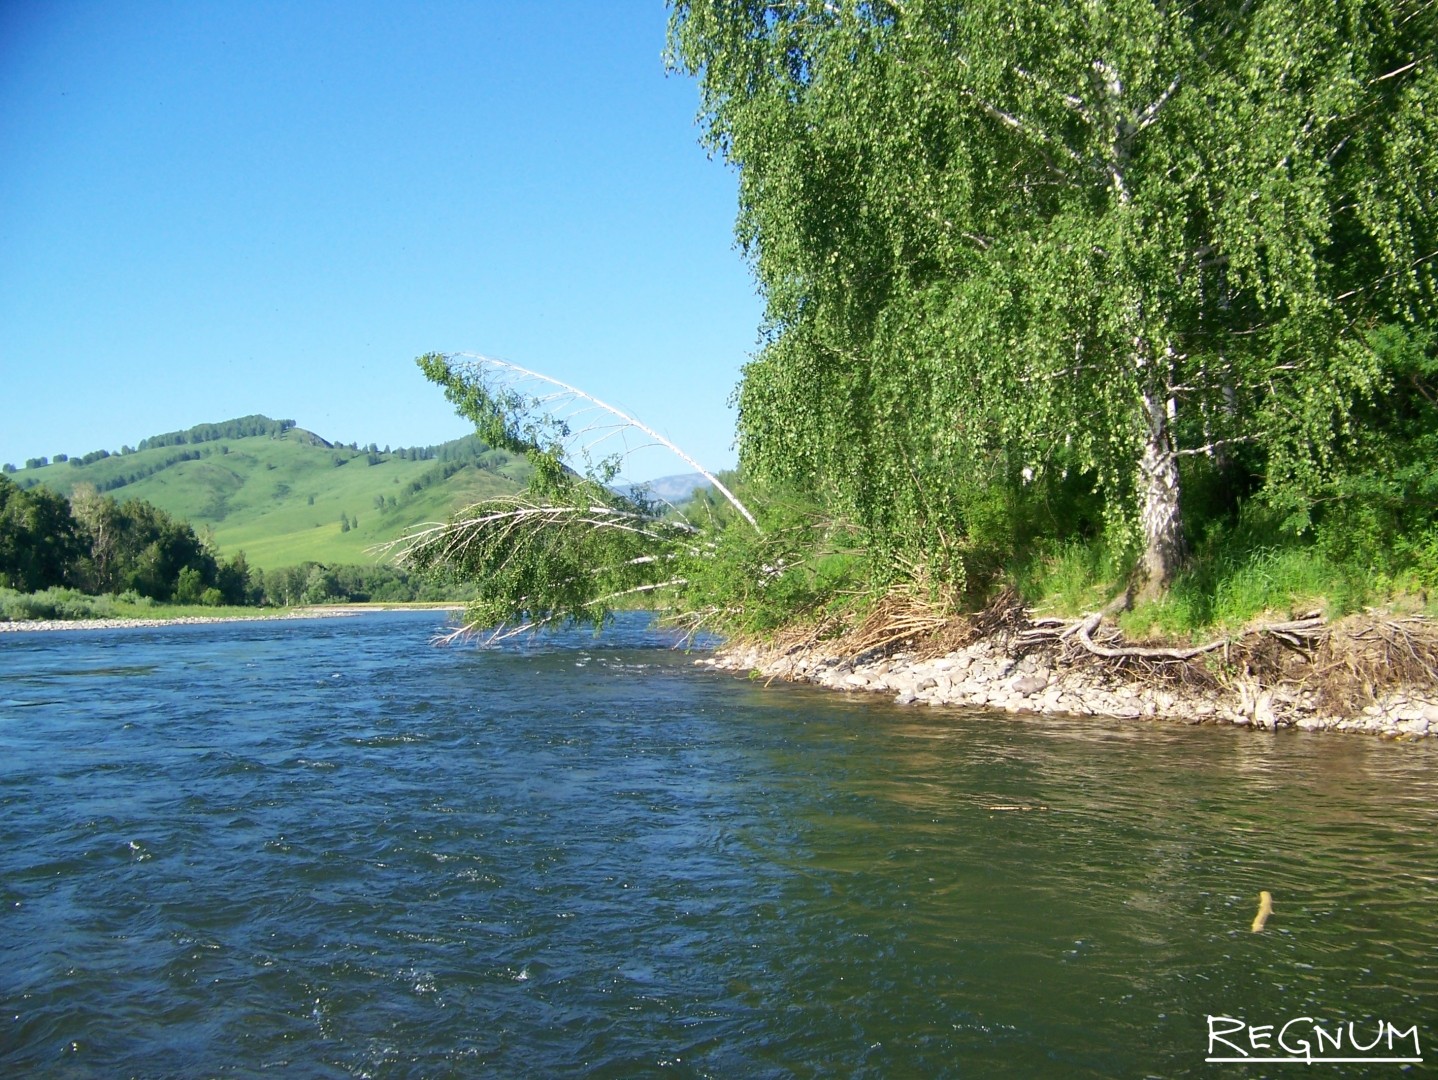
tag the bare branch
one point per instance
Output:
(479, 362)
(1149, 115)
(1393, 73)
(1217, 444)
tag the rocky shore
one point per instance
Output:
(984, 676)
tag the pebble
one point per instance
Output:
(980, 677)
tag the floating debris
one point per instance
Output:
(1265, 909)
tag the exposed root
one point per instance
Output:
(1363, 657)
(1336, 668)
(1303, 635)
(1005, 619)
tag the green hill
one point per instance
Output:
(284, 495)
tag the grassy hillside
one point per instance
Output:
(284, 498)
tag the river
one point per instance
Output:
(329, 848)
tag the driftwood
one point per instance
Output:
(1265, 909)
(1302, 635)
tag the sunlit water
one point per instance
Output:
(328, 848)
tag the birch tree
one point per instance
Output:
(1090, 236)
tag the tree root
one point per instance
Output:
(1302, 635)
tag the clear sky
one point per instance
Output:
(211, 208)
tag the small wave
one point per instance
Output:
(124, 672)
(421, 982)
(402, 739)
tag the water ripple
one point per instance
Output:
(332, 849)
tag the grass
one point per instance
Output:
(1217, 592)
(281, 499)
(62, 604)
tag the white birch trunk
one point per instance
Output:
(1159, 507)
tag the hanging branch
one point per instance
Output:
(477, 365)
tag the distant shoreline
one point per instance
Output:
(317, 612)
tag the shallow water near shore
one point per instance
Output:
(331, 849)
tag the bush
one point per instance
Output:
(54, 603)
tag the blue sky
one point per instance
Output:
(210, 209)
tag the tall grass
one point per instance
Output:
(1222, 588)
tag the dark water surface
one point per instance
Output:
(326, 848)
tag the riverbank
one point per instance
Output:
(1330, 686)
(319, 611)
(36, 625)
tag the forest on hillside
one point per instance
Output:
(92, 556)
(75, 542)
(1112, 297)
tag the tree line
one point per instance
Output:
(464, 449)
(93, 543)
(98, 546)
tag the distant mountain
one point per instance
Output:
(284, 495)
(673, 489)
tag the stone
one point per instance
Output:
(1026, 685)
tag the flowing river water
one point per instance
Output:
(328, 848)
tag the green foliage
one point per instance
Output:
(504, 418)
(55, 602)
(1008, 241)
(311, 582)
(1378, 498)
(99, 545)
(235, 584)
(39, 539)
(573, 548)
(240, 428)
(189, 586)
(803, 566)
